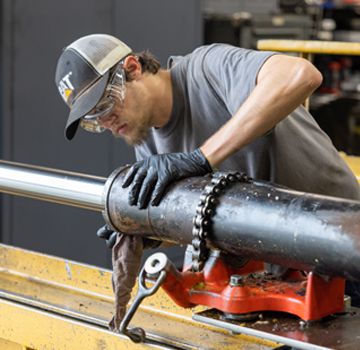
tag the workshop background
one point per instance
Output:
(32, 115)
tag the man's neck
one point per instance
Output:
(162, 98)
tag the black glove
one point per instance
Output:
(151, 176)
(105, 232)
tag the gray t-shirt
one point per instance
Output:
(209, 86)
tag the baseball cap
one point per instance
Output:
(82, 74)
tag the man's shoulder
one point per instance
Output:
(208, 52)
(217, 52)
(213, 48)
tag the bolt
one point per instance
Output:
(236, 280)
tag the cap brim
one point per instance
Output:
(84, 104)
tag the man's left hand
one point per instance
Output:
(151, 176)
(105, 232)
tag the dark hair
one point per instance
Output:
(148, 61)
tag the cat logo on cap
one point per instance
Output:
(65, 87)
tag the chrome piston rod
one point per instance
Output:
(52, 185)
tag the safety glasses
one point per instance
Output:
(114, 93)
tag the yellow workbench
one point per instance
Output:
(53, 303)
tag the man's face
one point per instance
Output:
(130, 119)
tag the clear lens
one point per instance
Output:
(116, 87)
(91, 122)
(102, 109)
(114, 94)
(91, 125)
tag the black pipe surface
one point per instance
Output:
(257, 220)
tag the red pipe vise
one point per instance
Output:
(249, 289)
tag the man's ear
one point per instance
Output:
(132, 67)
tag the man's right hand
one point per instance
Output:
(149, 178)
(105, 232)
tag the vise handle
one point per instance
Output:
(154, 267)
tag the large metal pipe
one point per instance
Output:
(52, 185)
(257, 219)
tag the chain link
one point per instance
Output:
(205, 210)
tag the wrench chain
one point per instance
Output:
(205, 210)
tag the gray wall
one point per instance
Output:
(32, 117)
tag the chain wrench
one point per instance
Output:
(206, 209)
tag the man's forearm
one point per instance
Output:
(283, 84)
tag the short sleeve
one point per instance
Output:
(232, 72)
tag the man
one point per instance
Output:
(218, 107)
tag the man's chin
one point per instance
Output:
(134, 140)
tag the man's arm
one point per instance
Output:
(283, 83)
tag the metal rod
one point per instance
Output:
(52, 185)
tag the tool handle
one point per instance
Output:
(138, 335)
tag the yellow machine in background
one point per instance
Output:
(354, 164)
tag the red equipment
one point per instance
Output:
(249, 289)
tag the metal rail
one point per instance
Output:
(52, 185)
(310, 46)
